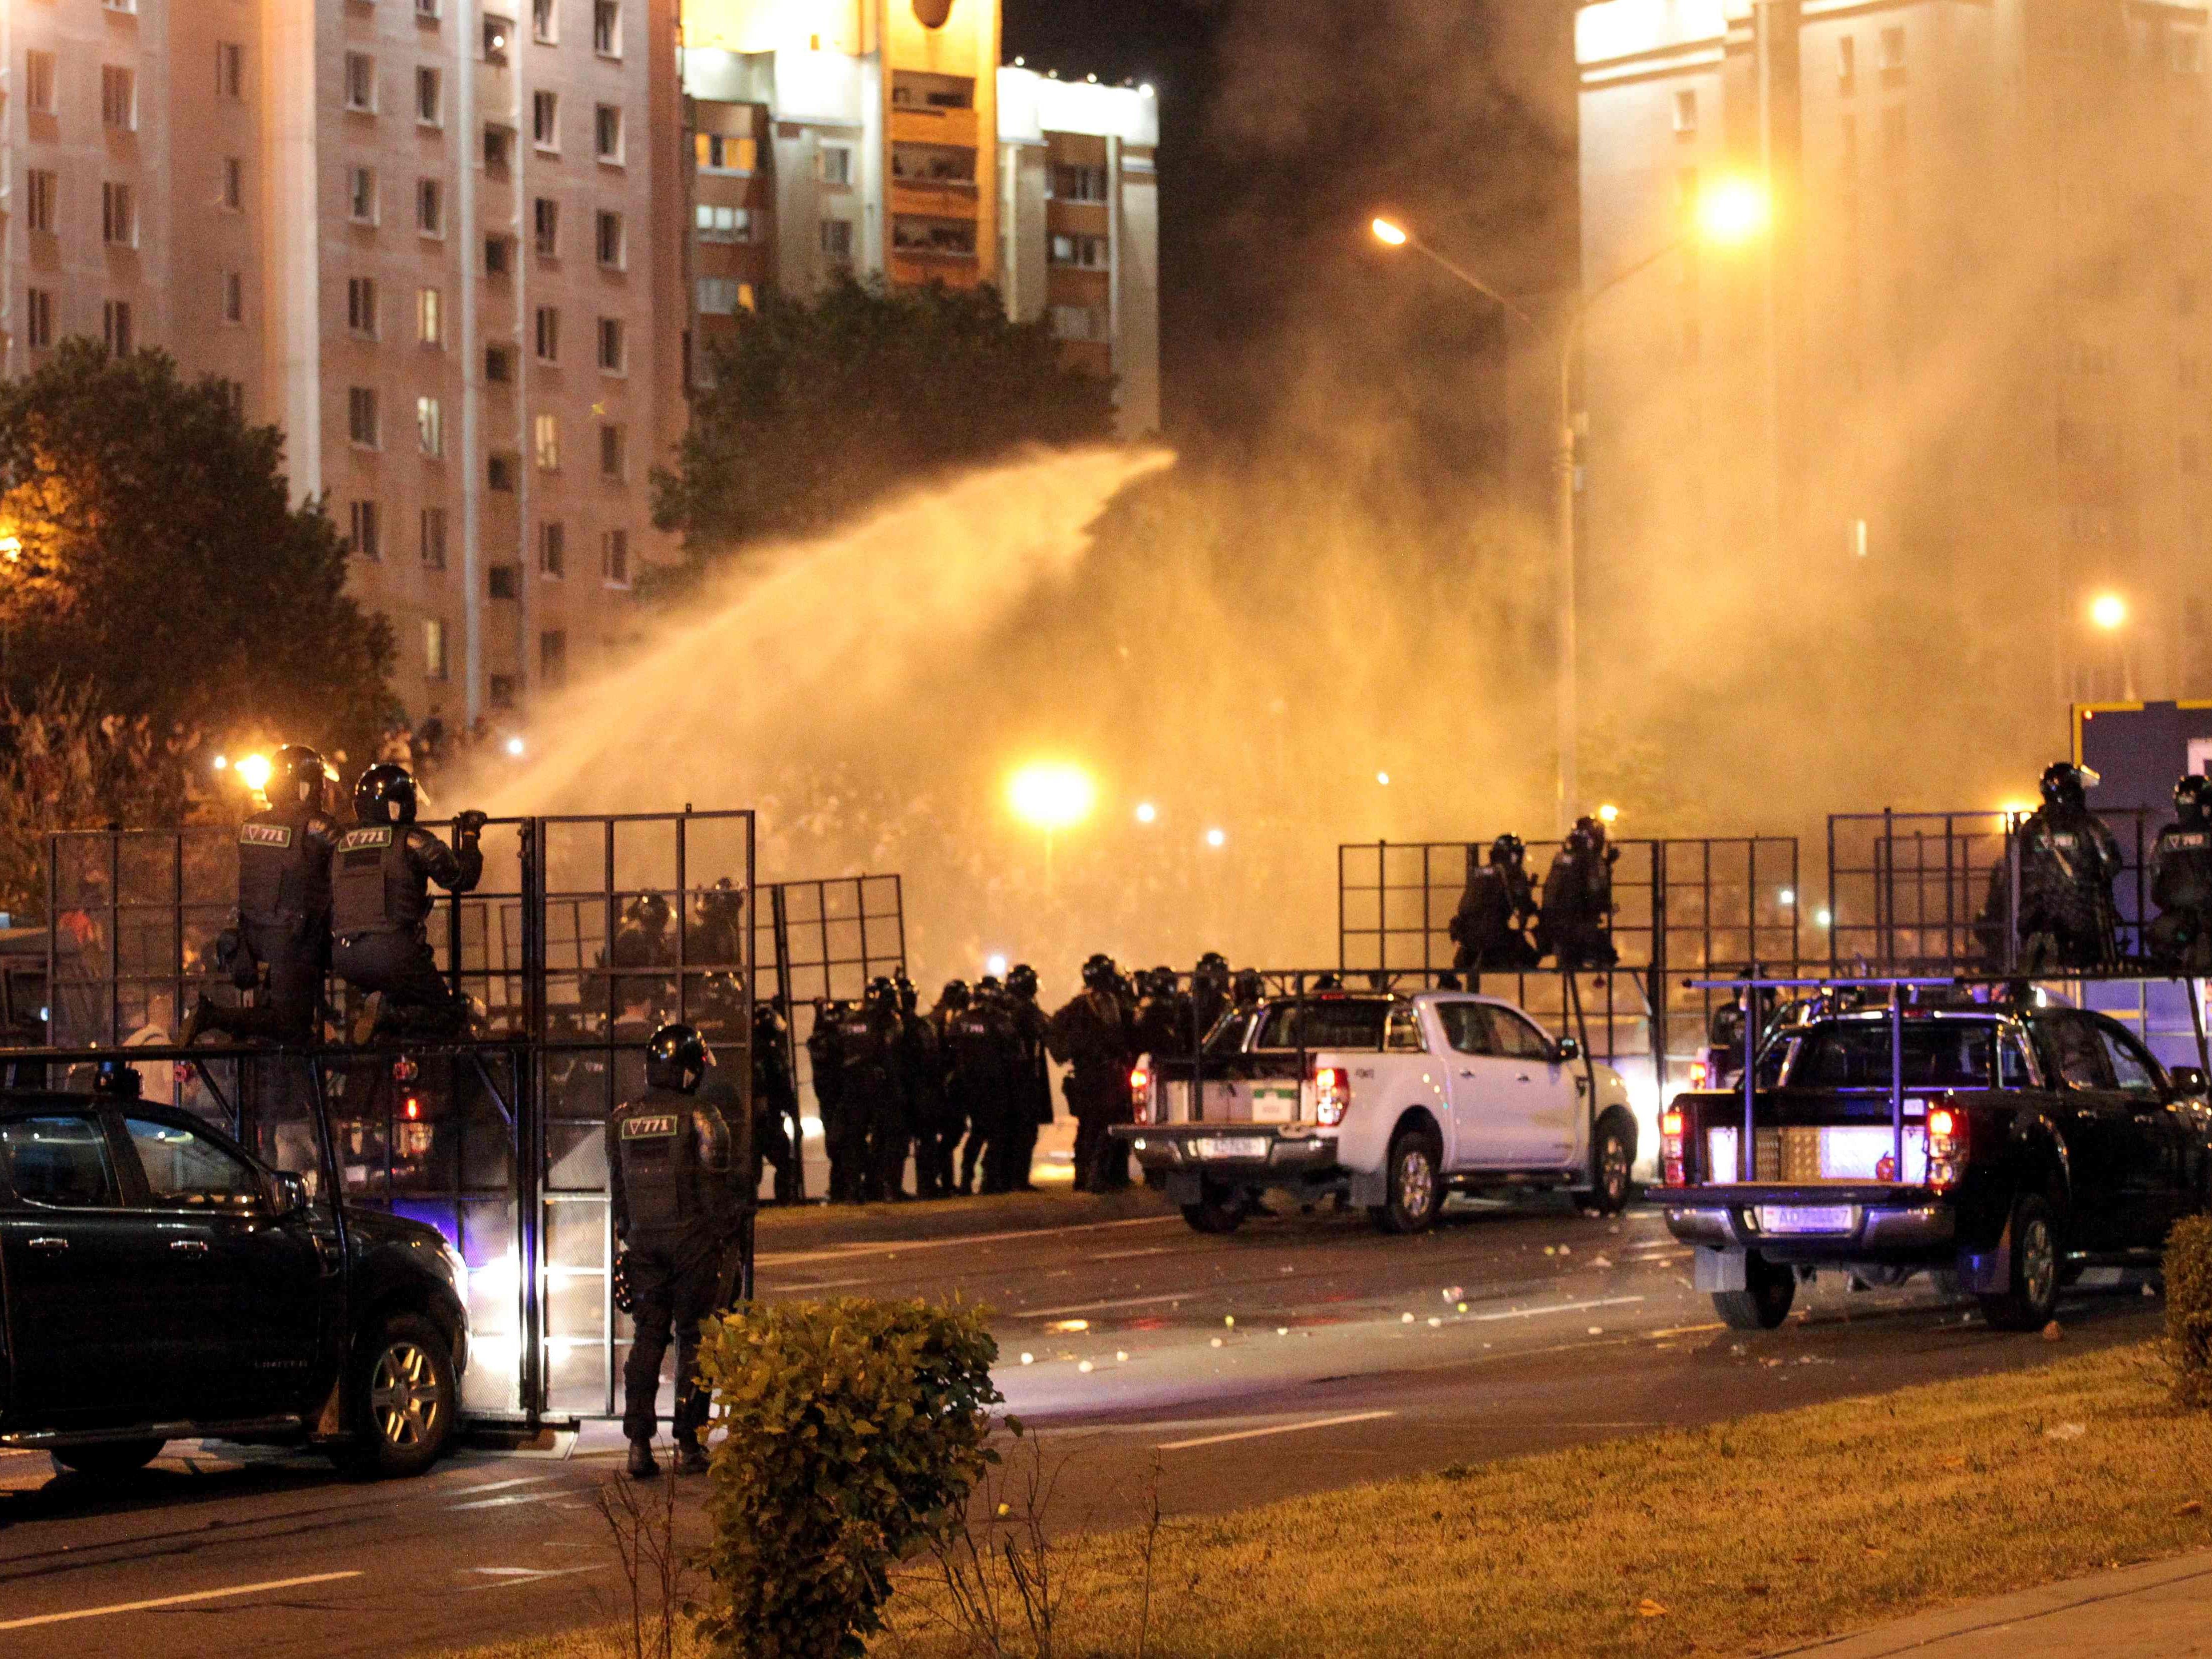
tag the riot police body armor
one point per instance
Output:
(381, 895)
(1495, 911)
(1165, 1015)
(869, 1043)
(677, 1210)
(1572, 919)
(1093, 1034)
(1209, 991)
(826, 1060)
(2068, 860)
(776, 1134)
(284, 908)
(2181, 879)
(986, 1050)
(1032, 1105)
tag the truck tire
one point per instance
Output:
(1415, 1177)
(2028, 1301)
(405, 1402)
(110, 1459)
(1764, 1303)
(1613, 1154)
(1219, 1209)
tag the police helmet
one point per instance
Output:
(298, 773)
(2065, 784)
(1509, 849)
(724, 898)
(909, 998)
(882, 992)
(1161, 981)
(1099, 972)
(118, 1077)
(650, 911)
(1250, 986)
(1021, 979)
(989, 986)
(955, 993)
(2192, 798)
(1212, 966)
(385, 794)
(1330, 982)
(676, 1058)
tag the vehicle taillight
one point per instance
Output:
(1670, 1148)
(1701, 1073)
(1947, 1147)
(1140, 1092)
(1331, 1094)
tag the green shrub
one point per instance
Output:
(2189, 1309)
(852, 1434)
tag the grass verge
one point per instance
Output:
(1753, 1535)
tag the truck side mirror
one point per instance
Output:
(2188, 1081)
(288, 1192)
(1567, 1048)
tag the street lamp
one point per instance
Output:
(1730, 211)
(2109, 612)
(1051, 796)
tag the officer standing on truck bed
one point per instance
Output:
(381, 884)
(2181, 879)
(1578, 900)
(676, 1212)
(2068, 860)
(283, 947)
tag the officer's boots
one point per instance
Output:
(641, 1464)
(691, 1455)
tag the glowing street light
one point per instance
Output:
(1387, 232)
(995, 966)
(1608, 814)
(1146, 813)
(1051, 795)
(2108, 611)
(1382, 778)
(253, 771)
(1733, 210)
(1217, 837)
(515, 747)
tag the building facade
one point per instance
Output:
(1967, 364)
(883, 139)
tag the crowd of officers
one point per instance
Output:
(1501, 925)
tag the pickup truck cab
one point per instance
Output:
(157, 1283)
(1389, 1099)
(2001, 1149)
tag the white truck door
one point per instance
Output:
(1550, 1093)
(1495, 1116)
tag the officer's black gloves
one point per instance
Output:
(472, 823)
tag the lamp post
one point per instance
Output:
(1051, 796)
(2108, 613)
(1730, 211)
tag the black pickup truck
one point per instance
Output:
(2001, 1148)
(157, 1283)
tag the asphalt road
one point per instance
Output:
(1302, 1353)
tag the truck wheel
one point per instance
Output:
(1612, 1156)
(1416, 1183)
(2028, 1302)
(405, 1403)
(1764, 1303)
(1219, 1209)
(111, 1459)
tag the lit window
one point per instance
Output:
(546, 442)
(1088, 252)
(725, 224)
(433, 649)
(430, 316)
(722, 153)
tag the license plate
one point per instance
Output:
(1275, 1105)
(1230, 1146)
(1808, 1217)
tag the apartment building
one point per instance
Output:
(1966, 366)
(417, 235)
(884, 138)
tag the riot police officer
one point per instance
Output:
(1032, 1105)
(382, 885)
(776, 1134)
(1495, 911)
(2068, 860)
(1164, 1015)
(717, 913)
(1572, 921)
(826, 1058)
(643, 941)
(987, 1071)
(936, 1158)
(869, 1041)
(1093, 1034)
(2181, 879)
(676, 1212)
(1209, 991)
(921, 1082)
(284, 908)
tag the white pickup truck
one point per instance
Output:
(1391, 1099)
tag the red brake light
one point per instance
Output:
(1700, 1074)
(414, 1110)
(1331, 1094)
(1947, 1146)
(1942, 1123)
(1670, 1123)
(1140, 1092)
(1671, 1171)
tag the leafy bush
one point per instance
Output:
(853, 1434)
(2189, 1309)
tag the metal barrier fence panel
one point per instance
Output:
(1928, 892)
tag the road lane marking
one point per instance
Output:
(501, 1485)
(1281, 1428)
(848, 1252)
(508, 1500)
(506, 1577)
(1149, 1249)
(1549, 1308)
(178, 1601)
(1101, 1307)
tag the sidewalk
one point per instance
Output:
(2158, 1610)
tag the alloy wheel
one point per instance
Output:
(406, 1396)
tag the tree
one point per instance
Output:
(158, 560)
(812, 410)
